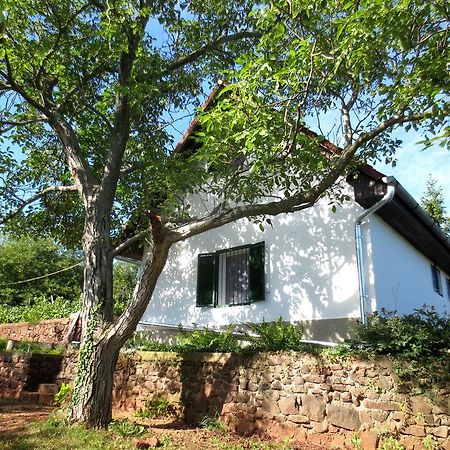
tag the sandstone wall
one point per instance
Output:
(21, 372)
(47, 331)
(286, 395)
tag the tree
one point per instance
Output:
(31, 259)
(433, 203)
(91, 108)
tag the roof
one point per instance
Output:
(404, 215)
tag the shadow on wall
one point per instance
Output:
(207, 381)
(310, 272)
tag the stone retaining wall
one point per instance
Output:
(21, 372)
(286, 395)
(47, 331)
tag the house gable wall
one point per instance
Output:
(402, 275)
(310, 271)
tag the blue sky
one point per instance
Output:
(414, 165)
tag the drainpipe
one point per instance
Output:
(391, 184)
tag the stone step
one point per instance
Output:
(48, 388)
(29, 397)
(46, 399)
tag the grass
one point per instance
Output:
(49, 436)
(55, 434)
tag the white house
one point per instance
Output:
(310, 267)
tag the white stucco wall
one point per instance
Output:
(310, 270)
(401, 274)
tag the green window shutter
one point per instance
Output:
(206, 279)
(257, 280)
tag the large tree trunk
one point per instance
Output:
(98, 270)
(101, 338)
(92, 398)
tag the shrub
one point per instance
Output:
(63, 396)
(275, 336)
(156, 408)
(423, 334)
(143, 341)
(207, 340)
(40, 308)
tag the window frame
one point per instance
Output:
(436, 280)
(208, 294)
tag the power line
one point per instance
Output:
(42, 276)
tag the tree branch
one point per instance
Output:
(196, 54)
(129, 242)
(34, 198)
(122, 117)
(300, 200)
(7, 125)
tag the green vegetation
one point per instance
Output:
(213, 423)
(433, 203)
(127, 429)
(54, 296)
(37, 309)
(419, 344)
(62, 397)
(143, 341)
(91, 114)
(274, 336)
(156, 408)
(55, 434)
(207, 340)
(124, 280)
(32, 347)
(423, 334)
(27, 258)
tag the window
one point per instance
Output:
(436, 276)
(231, 277)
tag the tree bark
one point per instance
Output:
(101, 338)
(92, 399)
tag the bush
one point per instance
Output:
(418, 343)
(207, 340)
(37, 309)
(423, 334)
(156, 408)
(142, 341)
(275, 336)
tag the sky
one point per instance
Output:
(414, 165)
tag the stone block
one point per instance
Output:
(441, 432)
(420, 405)
(298, 418)
(369, 440)
(343, 416)
(245, 425)
(414, 430)
(383, 406)
(288, 406)
(241, 397)
(313, 407)
(270, 406)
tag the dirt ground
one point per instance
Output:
(14, 417)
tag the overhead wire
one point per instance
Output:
(42, 276)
